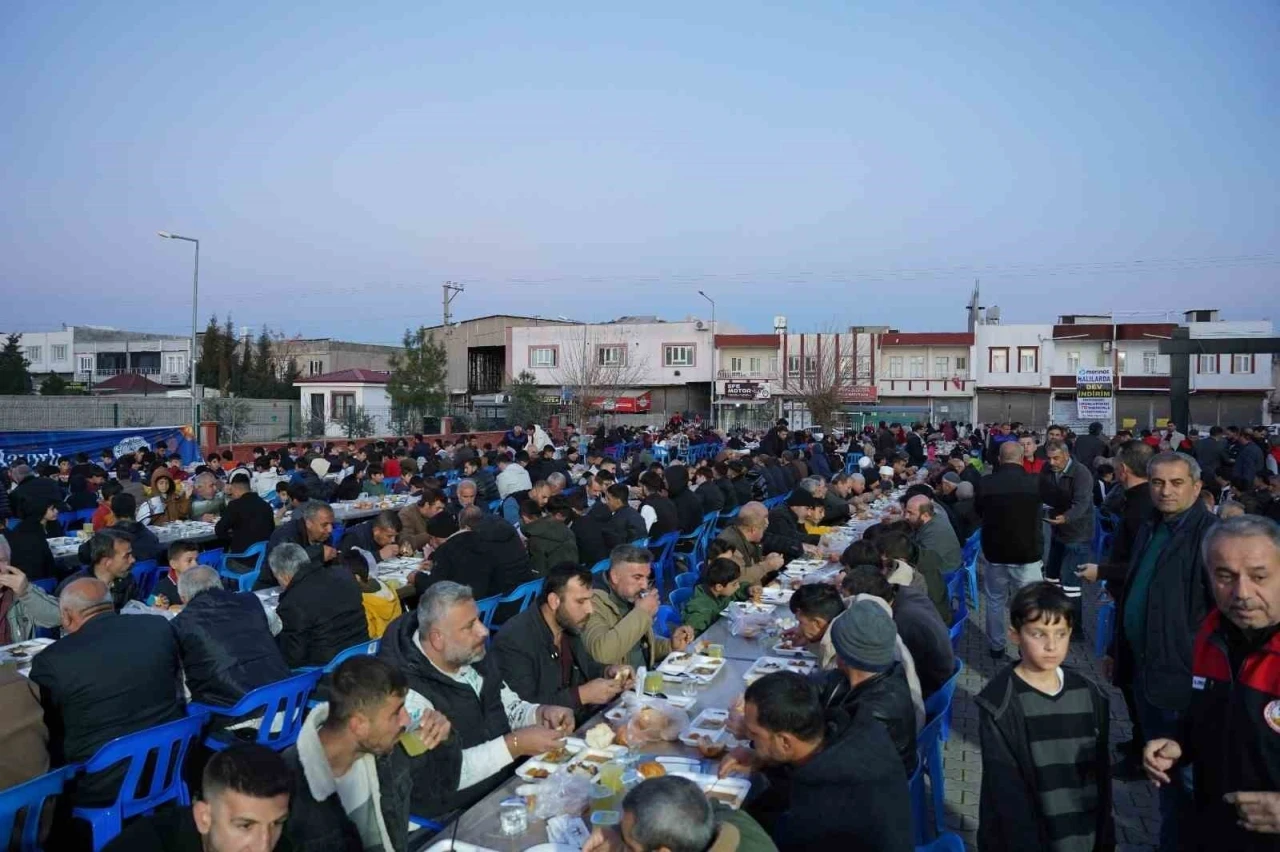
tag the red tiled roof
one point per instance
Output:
(128, 383)
(927, 338)
(766, 340)
(356, 375)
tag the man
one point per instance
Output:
(836, 501)
(321, 610)
(868, 679)
(32, 489)
(958, 463)
(1172, 438)
(1166, 596)
(930, 532)
(247, 519)
(1229, 733)
(486, 486)
(619, 630)
(225, 641)
(659, 513)
(351, 784)
(414, 517)
(377, 536)
(548, 540)
(542, 656)
(513, 476)
(1249, 461)
(915, 446)
(744, 535)
(486, 552)
(785, 533)
(110, 556)
(109, 675)
(710, 496)
(688, 506)
(812, 772)
(515, 438)
(1009, 505)
(816, 606)
(625, 524)
(208, 502)
(242, 806)
(1066, 487)
(464, 495)
(673, 814)
(441, 650)
(1131, 475)
(311, 529)
(1092, 446)
(1211, 452)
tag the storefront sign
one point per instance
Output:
(1095, 394)
(859, 393)
(746, 390)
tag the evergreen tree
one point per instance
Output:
(526, 399)
(54, 385)
(14, 378)
(416, 384)
(210, 355)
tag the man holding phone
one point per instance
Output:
(620, 628)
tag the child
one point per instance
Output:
(721, 584)
(182, 557)
(381, 603)
(1046, 769)
(374, 485)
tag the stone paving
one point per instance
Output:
(1136, 809)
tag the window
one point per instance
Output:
(175, 365)
(1103, 360)
(343, 404)
(753, 364)
(735, 365)
(962, 363)
(773, 365)
(1208, 364)
(315, 368)
(793, 365)
(34, 353)
(677, 355)
(1149, 363)
(1242, 363)
(895, 367)
(941, 367)
(611, 356)
(915, 367)
(811, 365)
(1073, 363)
(1028, 359)
(58, 352)
(1122, 360)
(543, 356)
(86, 364)
(998, 359)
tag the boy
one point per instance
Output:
(721, 585)
(182, 558)
(374, 485)
(381, 603)
(1046, 769)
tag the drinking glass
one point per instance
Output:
(513, 816)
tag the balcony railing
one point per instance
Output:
(748, 375)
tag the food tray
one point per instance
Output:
(679, 665)
(587, 762)
(730, 791)
(783, 649)
(709, 726)
(800, 567)
(769, 665)
(776, 595)
(737, 609)
(22, 653)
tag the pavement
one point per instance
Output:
(1137, 812)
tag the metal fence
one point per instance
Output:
(240, 420)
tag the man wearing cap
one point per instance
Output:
(785, 533)
(869, 678)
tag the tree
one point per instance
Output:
(356, 422)
(826, 382)
(597, 364)
(55, 385)
(526, 399)
(416, 384)
(14, 378)
(209, 365)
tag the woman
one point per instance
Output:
(80, 498)
(23, 605)
(28, 545)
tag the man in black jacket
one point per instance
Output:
(786, 533)
(247, 520)
(441, 651)
(541, 654)
(109, 555)
(486, 553)
(1166, 597)
(226, 645)
(1009, 504)
(688, 507)
(659, 513)
(710, 496)
(625, 524)
(311, 528)
(739, 482)
(376, 536)
(109, 675)
(916, 456)
(321, 610)
(1091, 447)
(1066, 487)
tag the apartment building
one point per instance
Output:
(90, 355)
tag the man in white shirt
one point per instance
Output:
(441, 650)
(512, 475)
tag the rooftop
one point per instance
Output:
(354, 376)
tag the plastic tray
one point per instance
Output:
(769, 665)
(731, 791)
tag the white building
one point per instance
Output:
(89, 355)
(331, 401)
(926, 372)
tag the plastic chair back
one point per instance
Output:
(940, 702)
(943, 843)
(286, 699)
(487, 608)
(666, 620)
(929, 742)
(600, 567)
(523, 594)
(1106, 627)
(726, 518)
(145, 574)
(687, 580)
(48, 585)
(66, 519)
(211, 558)
(364, 649)
(663, 549)
(167, 746)
(27, 801)
(338, 530)
(247, 580)
(680, 597)
(959, 606)
(495, 506)
(919, 806)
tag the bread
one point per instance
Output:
(648, 719)
(600, 736)
(651, 769)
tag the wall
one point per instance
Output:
(483, 331)
(256, 419)
(1260, 377)
(644, 343)
(46, 340)
(1012, 336)
(768, 361)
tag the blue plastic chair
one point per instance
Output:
(167, 744)
(487, 607)
(959, 606)
(495, 506)
(212, 558)
(663, 549)
(600, 567)
(27, 800)
(943, 843)
(66, 519)
(338, 530)
(726, 518)
(145, 574)
(919, 803)
(940, 702)
(364, 649)
(666, 620)
(12, 523)
(1106, 627)
(47, 585)
(687, 580)
(929, 741)
(247, 580)
(680, 597)
(286, 698)
(522, 594)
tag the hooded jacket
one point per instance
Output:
(29, 549)
(1009, 816)
(381, 607)
(490, 559)
(619, 633)
(550, 542)
(688, 506)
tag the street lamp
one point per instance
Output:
(712, 396)
(195, 291)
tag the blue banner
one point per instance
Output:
(50, 446)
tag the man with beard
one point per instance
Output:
(542, 656)
(441, 650)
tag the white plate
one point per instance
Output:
(684, 666)
(769, 665)
(734, 789)
(799, 653)
(777, 596)
(525, 769)
(738, 608)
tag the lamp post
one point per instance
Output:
(712, 394)
(195, 291)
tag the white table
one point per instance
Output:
(67, 548)
(22, 653)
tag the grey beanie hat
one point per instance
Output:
(865, 637)
(952, 477)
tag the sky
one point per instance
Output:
(832, 162)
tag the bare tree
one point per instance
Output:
(828, 375)
(597, 364)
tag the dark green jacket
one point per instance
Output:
(701, 610)
(549, 543)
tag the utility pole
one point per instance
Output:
(449, 291)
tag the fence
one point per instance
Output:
(238, 419)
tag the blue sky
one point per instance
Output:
(834, 162)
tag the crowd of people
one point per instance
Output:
(1191, 557)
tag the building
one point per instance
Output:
(320, 356)
(477, 355)
(352, 402)
(926, 373)
(644, 368)
(87, 355)
(747, 380)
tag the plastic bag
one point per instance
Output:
(749, 625)
(562, 793)
(653, 720)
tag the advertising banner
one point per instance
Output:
(48, 447)
(1095, 394)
